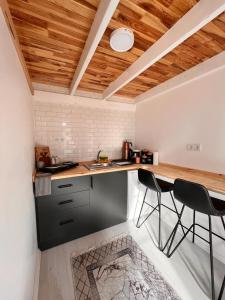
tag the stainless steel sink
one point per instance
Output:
(97, 166)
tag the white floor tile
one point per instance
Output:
(187, 271)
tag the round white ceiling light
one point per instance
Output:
(122, 39)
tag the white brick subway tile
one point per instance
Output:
(76, 132)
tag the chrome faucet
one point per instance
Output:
(98, 155)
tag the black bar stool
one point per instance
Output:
(148, 179)
(196, 197)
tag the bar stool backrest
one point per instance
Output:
(193, 195)
(148, 179)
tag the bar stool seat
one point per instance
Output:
(219, 206)
(165, 186)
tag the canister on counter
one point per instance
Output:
(137, 160)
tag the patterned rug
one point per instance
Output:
(118, 270)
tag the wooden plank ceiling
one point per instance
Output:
(52, 34)
(149, 20)
(204, 44)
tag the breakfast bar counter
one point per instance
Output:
(212, 181)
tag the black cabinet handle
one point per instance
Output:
(65, 186)
(65, 202)
(66, 222)
(91, 182)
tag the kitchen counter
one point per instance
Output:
(84, 201)
(81, 170)
(212, 181)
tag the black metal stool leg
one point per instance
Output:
(181, 240)
(222, 289)
(173, 233)
(223, 222)
(211, 259)
(141, 208)
(174, 204)
(223, 284)
(193, 236)
(159, 204)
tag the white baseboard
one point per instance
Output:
(36, 275)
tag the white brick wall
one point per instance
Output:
(76, 131)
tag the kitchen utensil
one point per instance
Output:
(122, 163)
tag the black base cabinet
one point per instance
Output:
(109, 199)
(79, 206)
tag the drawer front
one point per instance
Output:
(70, 185)
(57, 205)
(72, 224)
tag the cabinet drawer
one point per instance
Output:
(56, 205)
(70, 185)
(64, 227)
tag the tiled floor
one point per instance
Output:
(187, 271)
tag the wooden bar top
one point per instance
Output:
(212, 181)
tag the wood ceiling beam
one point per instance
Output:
(205, 68)
(8, 18)
(102, 18)
(196, 18)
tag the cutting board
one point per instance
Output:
(42, 153)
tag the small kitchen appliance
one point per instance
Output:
(58, 167)
(126, 150)
(146, 157)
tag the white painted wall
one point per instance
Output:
(193, 113)
(75, 128)
(17, 215)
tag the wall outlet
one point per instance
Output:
(193, 147)
(189, 147)
(196, 147)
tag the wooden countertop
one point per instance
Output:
(212, 181)
(81, 170)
